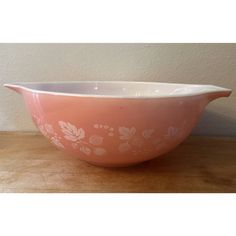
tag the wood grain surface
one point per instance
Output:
(29, 163)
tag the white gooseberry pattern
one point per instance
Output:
(48, 131)
(107, 128)
(78, 138)
(131, 140)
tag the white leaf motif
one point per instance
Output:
(42, 130)
(99, 151)
(124, 147)
(56, 142)
(96, 140)
(147, 133)
(48, 128)
(71, 132)
(126, 133)
(85, 150)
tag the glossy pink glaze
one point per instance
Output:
(115, 131)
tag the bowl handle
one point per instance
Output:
(217, 94)
(15, 87)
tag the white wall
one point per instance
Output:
(182, 63)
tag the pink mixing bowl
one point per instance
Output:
(116, 123)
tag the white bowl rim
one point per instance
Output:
(197, 89)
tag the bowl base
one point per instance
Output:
(113, 165)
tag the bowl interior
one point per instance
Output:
(117, 89)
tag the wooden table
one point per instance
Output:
(28, 163)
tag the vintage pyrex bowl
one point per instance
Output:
(116, 123)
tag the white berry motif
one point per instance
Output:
(96, 140)
(124, 147)
(109, 130)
